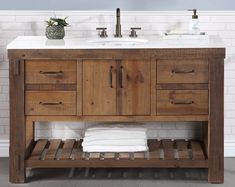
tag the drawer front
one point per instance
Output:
(182, 102)
(50, 103)
(182, 71)
(50, 72)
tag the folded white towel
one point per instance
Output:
(115, 148)
(104, 128)
(114, 136)
(130, 142)
(116, 132)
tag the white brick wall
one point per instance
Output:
(15, 23)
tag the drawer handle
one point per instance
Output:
(51, 72)
(111, 76)
(121, 77)
(50, 104)
(182, 102)
(182, 71)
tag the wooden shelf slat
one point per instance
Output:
(38, 149)
(52, 150)
(168, 148)
(67, 149)
(154, 149)
(197, 150)
(182, 148)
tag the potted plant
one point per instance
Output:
(55, 28)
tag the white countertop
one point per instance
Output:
(154, 42)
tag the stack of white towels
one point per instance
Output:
(116, 138)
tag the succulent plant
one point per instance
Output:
(57, 21)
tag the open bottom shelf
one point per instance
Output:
(162, 154)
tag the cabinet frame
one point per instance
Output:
(21, 126)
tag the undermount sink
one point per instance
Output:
(118, 41)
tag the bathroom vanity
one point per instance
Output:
(73, 80)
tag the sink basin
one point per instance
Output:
(118, 41)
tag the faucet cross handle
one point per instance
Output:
(133, 32)
(103, 32)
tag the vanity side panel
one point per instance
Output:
(17, 121)
(216, 121)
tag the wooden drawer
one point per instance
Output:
(182, 71)
(50, 103)
(182, 102)
(50, 71)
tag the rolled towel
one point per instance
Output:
(130, 142)
(115, 149)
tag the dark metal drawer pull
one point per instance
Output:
(182, 71)
(51, 72)
(50, 104)
(111, 76)
(182, 102)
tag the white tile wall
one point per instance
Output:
(83, 24)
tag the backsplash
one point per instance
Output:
(84, 23)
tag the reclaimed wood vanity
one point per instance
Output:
(135, 84)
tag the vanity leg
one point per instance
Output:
(216, 122)
(17, 122)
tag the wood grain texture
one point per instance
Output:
(182, 102)
(216, 122)
(79, 87)
(99, 98)
(50, 103)
(50, 71)
(135, 89)
(17, 122)
(182, 71)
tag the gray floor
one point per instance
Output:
(118, 177)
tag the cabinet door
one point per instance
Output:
(134, 87)
(99, 87)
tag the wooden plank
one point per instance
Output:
(120, 118)
(173, 53)
(153, 87)
(135, 87)
(78, 154)
(182, 86)
(17, 121)
(216, 121)
(38, 149)
(48, 87)
(140, 155)
(94, 156)
(121, 163)
(197, 150)
(154, 149)
(52, 149)
(67, 149)
(182, 148)
(79, 87)
(168, 149)
(109, 155)
(99, 87)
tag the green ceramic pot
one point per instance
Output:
(55, 32)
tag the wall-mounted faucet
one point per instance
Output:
(118, 33)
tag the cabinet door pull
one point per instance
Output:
(121, 77)
(50, 103)
(182, 102)
(111, 76)
(51, 72)
(182, 71)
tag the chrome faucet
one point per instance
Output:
(118, 24)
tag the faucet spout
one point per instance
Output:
(118, 24)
